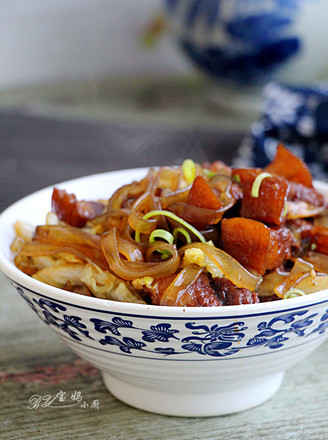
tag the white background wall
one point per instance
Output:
(51, 40)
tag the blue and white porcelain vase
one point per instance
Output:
(244, 43)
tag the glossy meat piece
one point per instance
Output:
(231, 295)
(318, 237)
(255, 245)
(298, 191)
(269, 206)
(297, 227)
(205, 292)
(74, 212)
(200, 294)
(202, 195)
(243, 174)
(157, 289)
(287, 165)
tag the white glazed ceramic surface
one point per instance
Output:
(170, 360)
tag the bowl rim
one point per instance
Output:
(104, 305)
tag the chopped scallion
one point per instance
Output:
(257, 183)
(293, 293)
(189, 170)
(163, 234)
(285, 210)
(209, 173)
(183, 232)
(178, 220)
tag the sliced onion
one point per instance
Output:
(301, 266)
(178, 196)
(300, 209)
(197, 216)
(130, 250)
(305, 282)
(73, 239)
(131, 191)
(301, 277)
(231, 268)
(130, 270)
(319, 261)
(175, 294)
(65, 234)
(143, 204)
(270, 281)
(34, 249)
(103, 218)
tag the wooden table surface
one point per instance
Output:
(35, 152)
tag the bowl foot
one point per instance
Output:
(194, 404)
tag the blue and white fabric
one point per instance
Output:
(296, 117)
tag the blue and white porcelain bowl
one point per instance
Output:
(170, 360)
(244, 43)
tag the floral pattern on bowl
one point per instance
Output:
(131, 336)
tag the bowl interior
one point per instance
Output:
(33, 209)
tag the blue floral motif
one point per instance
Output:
(22, 294)
(160, 332)
(166, 350)
(125, 345)
(214, 341)
(45, 304)
(69, 324)
(272, 337)
(102, 326)
(323, 326)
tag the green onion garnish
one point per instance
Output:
(257, 183)
(189, 170)
(236, 177)
(183, 232)
(161, 233)
(285, 210)
(313, 247)
(293, 293)
(209, 173)
(177, 219)
(165, 235)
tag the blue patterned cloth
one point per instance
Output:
(295, 116)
